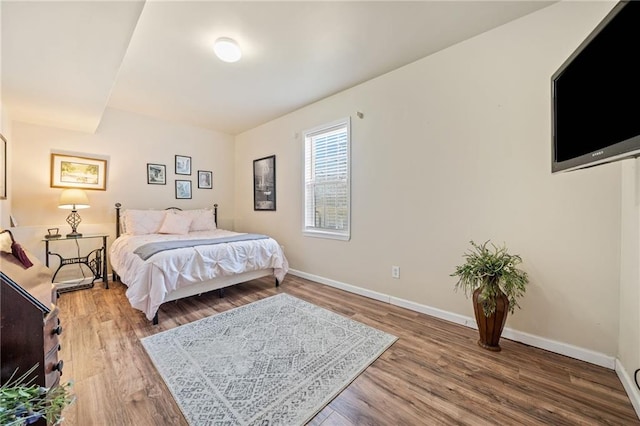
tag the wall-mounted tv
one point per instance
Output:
(596, 95)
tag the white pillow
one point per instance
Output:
(175, 224)
(201, 219)
(142, 222)
(5, 242)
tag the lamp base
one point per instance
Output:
(74, 220)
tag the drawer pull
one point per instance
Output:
(59, 348)
(58, 366)
(57, 330)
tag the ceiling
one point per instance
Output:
(64, 62)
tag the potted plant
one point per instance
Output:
(491, 275)
(24, 403)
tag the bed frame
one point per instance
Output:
(196, 289)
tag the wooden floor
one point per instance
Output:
(434, 374)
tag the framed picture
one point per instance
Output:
(68, 171)
(3, 168)
(156, 174)
(183, 165)
(183, 189)
(205, 179)
(264, 183)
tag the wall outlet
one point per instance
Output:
(395, 272)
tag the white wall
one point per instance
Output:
(129, 142)
(455, 147)
(629, 336)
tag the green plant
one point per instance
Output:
(493, 270)
(23, 403)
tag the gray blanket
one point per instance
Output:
(145, 251)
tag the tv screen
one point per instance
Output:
(596, 95)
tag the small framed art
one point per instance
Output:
(78, 172)
(205, 179)
(156, 174)
(264, 183)
(183, 189)
(183, 165)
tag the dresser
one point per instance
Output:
(29, 323)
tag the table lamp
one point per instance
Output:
(73, 199)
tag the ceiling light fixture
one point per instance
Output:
(227, 49)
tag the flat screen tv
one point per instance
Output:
(596, 95)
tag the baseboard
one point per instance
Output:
(561, 348)
(629, 386)
(81, 281)
(342, 286)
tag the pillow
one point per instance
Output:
(5, 242)
(14, 248)
(175, 224)
(201, 219)
(142, 222)
(18, 253)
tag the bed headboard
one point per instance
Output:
(119, 206)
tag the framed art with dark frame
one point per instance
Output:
(183, 165)
(156, 174)
(205, 179)
(69, 171)
(183, 189)
(264, 183)
(3, 168)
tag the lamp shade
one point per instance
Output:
(73, 199)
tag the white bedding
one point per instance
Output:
(149, 282)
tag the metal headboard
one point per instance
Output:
(119, 206)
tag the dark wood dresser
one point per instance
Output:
(29, 324)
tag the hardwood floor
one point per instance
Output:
(434, 374)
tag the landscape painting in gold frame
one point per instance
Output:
(69, 171)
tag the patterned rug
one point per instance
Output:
(277, 361)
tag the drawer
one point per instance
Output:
(52, 329)
(52, 369)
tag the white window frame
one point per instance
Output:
(312, 231)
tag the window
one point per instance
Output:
(327, 180)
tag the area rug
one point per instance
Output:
(277, 361)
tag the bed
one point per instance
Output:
(166, 255)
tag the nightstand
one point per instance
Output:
(96, 259)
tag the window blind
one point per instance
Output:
(327, 181)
